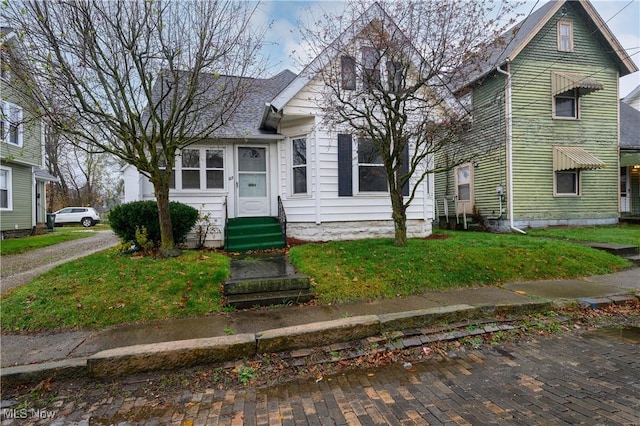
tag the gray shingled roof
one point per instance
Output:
(248, 116)
(629, 127)
(245, 121)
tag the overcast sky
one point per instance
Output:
(622, 17)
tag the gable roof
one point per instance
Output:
(371, 14)
(329, 52)
(629, 127)
(509, 45)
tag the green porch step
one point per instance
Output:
(253, 233)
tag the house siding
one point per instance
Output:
(20, 217)
(535, 132)
(486, 138)
(323, 174)
(21, 160)
(31, 151)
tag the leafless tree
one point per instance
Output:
(392, 83)
(138, 79)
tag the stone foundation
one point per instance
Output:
(339, 231)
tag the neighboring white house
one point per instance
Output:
(279, 146)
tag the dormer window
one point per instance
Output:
(565, 36)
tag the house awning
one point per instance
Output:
(562, 82)
(573, 157)
(629, 158)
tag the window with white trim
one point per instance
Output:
(370, 68)
(348, 72)
(162, 165)
(11, 124)
(565, 36)
(565, 105)
(215, 168)
(371, 172)
(567, 182)
(6, 195)
(190, 169)
(199, 168)
(299, 165)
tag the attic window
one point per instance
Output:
(348, 71)
(370, 68)
(565, 36)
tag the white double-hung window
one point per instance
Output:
(11, 124)
(5, 189)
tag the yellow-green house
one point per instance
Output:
(545, 126)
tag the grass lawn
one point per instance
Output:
(107, 289)
(368, 269)
(623, 233)
(59, 235)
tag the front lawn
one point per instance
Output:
(368, 269)
(108, 289)
(59, 235)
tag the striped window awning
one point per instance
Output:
(573, 157)
(562, 82)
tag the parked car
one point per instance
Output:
(85, 216)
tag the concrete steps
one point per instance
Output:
(626, 251)
(265, 281)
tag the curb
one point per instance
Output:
(188, 353)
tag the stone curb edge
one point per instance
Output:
(188, 353)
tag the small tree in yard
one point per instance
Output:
(391, 83)
(138, 79)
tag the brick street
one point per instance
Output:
(568, 378)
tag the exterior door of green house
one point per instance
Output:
(252, 185)
(625, 190)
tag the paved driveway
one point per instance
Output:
(21, 268)
(568, 379)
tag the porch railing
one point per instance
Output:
(226, 223)
(282, 218)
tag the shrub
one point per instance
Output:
(125, 219)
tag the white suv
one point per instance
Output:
(86, 216)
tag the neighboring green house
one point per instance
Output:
(545, 124)
(22, 181)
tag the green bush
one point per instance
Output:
(125, 219)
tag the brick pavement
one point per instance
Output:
(566, 379)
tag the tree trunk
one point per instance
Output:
(399, 217)
(167, 245)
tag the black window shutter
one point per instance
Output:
(405, 169)
(345, 167)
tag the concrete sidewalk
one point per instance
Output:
(184, 342)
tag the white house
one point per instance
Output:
(278, 152)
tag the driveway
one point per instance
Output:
(19, 269)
